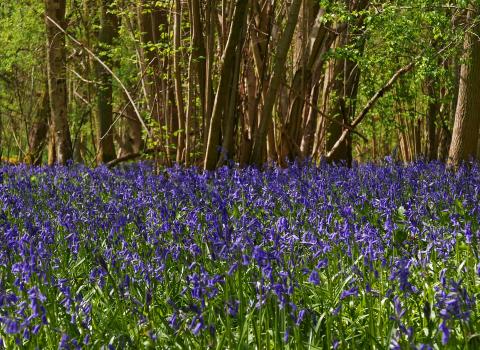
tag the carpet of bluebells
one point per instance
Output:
(376, 256)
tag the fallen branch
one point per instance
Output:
(369, 106)
(131, 156)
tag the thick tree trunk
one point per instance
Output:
(249, 120)
(336, 110)
(104, 115)
(467, 116)
(130, 140)
(57, 82)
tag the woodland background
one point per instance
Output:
(203, 83)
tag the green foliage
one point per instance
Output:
(21, 35)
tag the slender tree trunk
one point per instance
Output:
(417, 137)
(433, 114)
(256, 77)
(341, 107)
(57, 83)
(309, 129)
(230, 111)
(104, 115)
(52, 153)
(153, 24)
(467, 116)
(178, 80)
(1, 137)
(209, 68)
(199, 52)
(317, 39)
(448, 111)
(38, 131)
(257, 156)
(225, 86)
(250, 115)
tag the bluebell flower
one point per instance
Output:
(286, 335)
(314, 278)
(349, 292)
(445, 332)
(64, 342)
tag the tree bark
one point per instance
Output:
(230, 111)
(199, 52)
(225, 86)
(309, 129)
(178, 80)
(57, 82)
(257, 157)
(104, 115)
(38, 131)
(1, 137)
(369, 105)
(433, 113)
(321, 38)
(467, 116)
(153, 24)
(341, 107)
(52, 154)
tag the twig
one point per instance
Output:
(90, 52)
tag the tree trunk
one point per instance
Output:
(433, 112)
(1, 137)
(230, 111)
(225, 87)
(153, 24)
(467, 116)
(38, 131)
(57, 83)
(448, 111)
(257, 157)
(52, 153)
(199, 52)
(130, 140)
(104, 115)
(209, 69)
(341, 107)
(312, 117)
(178, 80)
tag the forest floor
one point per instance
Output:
(375, 256)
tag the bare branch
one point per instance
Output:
(117, 79)
(385, 88)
